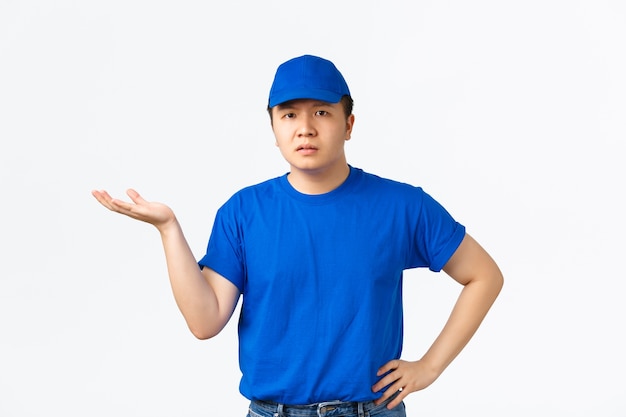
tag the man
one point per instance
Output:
(318, 255)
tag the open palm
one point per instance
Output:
(157, 214)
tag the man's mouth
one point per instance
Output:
(306, 149)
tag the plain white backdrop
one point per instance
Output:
(511, 114)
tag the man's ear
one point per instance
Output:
(349, 126)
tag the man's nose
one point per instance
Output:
(307, 127)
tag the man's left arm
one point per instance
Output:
(482, 280)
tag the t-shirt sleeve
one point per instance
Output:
(437, 235)
(224, 252)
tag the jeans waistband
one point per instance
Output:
(328, 408)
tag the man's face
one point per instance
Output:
(311, 134)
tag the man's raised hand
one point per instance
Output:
(157, 214)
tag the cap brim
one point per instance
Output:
(304, 94)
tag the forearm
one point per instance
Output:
(206, 299)
(471, 307)
(194, 296)
(473, 303)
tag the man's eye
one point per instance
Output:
(321, 112)
(289, 115)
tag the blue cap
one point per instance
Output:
(307, 77)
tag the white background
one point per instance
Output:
(510, 113)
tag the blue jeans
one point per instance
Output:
(327, 409)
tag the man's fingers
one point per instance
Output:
(154, 213)
(396, 388)
(399, 398)
(387, 380)
(121, 206)
(103, 198)
(113, 204)
(134, 195)
(388, 367)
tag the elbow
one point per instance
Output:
(499, 277)
(204, 333)
(497, 281)
(206, 325)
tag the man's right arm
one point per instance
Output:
(205, 298)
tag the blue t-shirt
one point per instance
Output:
(321, 278)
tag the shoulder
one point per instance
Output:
(260, 188)
(252, 195)
(398, 194)
(373, 182)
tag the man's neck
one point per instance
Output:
(315, 183)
